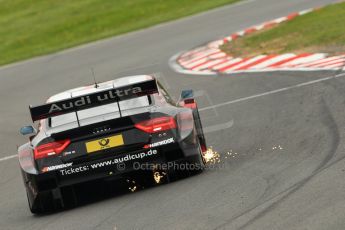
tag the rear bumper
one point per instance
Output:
(116, 166)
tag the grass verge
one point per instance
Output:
(320, 31)
(34, 27)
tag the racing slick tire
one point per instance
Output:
(200, 132)
(43, 203)
(175, 174)
(200, 166)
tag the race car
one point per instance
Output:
(106, 130)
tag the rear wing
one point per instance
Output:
(93, 100)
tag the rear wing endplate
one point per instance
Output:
(93, 100)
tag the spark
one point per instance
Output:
(211, 156)
(157, 176)
(278, 147)
(132, 187)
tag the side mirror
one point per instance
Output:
(28, 130)
(187, 99)
(185, 94)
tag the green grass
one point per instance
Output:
(34, 27)
(319, 31)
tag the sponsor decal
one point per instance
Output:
(101, 129)
(118, 162)
(104, 143)
(156, 144)
(108, 96)
(135, 156)
(86, 100)
(68, 153)
(70, 171)
(55, 167)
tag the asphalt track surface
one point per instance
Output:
(289, 169)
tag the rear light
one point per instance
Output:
(189, 103)
(156, 125)
(203, 148)
(50, 149)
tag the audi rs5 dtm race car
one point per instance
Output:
(100, 131)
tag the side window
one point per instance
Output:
(165, 94)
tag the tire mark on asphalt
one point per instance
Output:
(335, 137)
(329, 121)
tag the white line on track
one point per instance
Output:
(272, 92)
(8, 157)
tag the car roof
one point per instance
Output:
(119, 82)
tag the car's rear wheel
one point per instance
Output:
(199, 130)
(200, 166)
(193, 168)
(42, 203)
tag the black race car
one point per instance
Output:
(107, 130)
